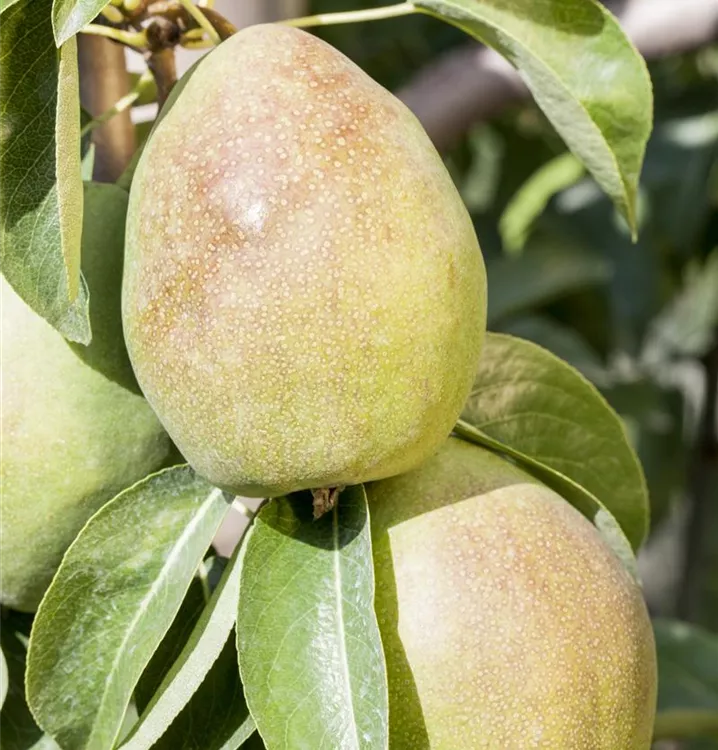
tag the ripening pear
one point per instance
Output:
(507, 621)
(304, 297)
(73, 435)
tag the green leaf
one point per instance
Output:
(533, 196)
(171, 646)
(583, 72)
(103, 246)
(216, 717)
(69, 16)
(561, 340)
(18, 729)
(112, 600)
(5, 4)
(687, 680)
(41, 189)
(189, 673)
(3, 677)
(687, 671)
(88, 163)
(529, 400)
(551, 266)
(309, 648)
(687, 326)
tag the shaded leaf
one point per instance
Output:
(561, 340)
(170, 648)
(112, 600)
(655, 422)
(5, 4)
(18, 729)
(3, 677)
(190, 684)
(533, 196)
(687, 665)
(550, 266)
(103, 245)
(528, 399)
(687, 326)
(555, 45)
(41, 189)
(69, 16)
(309, 648)
(680, 158)
(687, 681)
(216, 717)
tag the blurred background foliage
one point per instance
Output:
(638, 320)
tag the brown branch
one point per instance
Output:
(472, 83)
(103, 81)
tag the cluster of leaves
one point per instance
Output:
(138, 639)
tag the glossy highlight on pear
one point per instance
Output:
(304, 297)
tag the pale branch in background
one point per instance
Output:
(472, 83)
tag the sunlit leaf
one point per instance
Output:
(555, 45)
(69, 16)
(309, 648)
(533, 196)
(41, 188)
(193, 688)
(528, 399)
(115, 595)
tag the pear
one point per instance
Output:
(73, 435)
(506, 620)
(304, 298)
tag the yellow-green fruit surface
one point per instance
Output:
(507, 622)
(71, 440)
(304, 297)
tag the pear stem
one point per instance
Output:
(353, 16)
(201, 20)
(120, 105)
(683, 724)
(136, 39)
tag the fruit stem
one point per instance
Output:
(162, 66)
(135, 39)
(120, 105)
(221, 25)
(239, 506)
(683, 724)
(325, 498)
(353, 16)
(202, 20)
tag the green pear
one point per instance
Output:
(72, 435)
(507, 622)
(304, 297)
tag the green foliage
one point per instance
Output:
(114, 596)
(69, 16)
(688, 683)
(534, 403)
(103, 234)
(604, 119)
(180, 683)
(309, 648)
(41, 189)
(133, 646)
